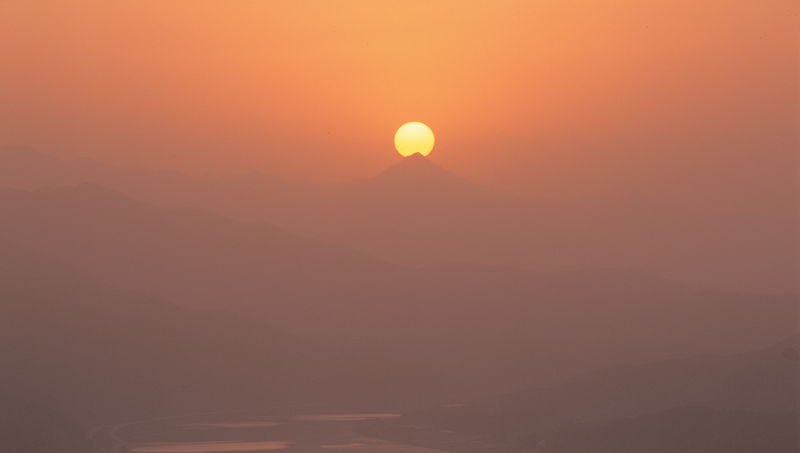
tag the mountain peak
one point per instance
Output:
(415, 167)
(416, 162)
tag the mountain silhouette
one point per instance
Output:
(449, 319)
(689, 429)
(417, 214)
(416, 169)
(761, 380)
(751, 397)
(104, 354)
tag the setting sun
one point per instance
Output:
(413, 138)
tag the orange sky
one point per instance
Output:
(694, 101)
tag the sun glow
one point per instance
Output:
(413, 138)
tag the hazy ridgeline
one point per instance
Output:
(116, 309)
(415, 213)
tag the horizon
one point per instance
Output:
(629, 195)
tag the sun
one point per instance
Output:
(413, 138)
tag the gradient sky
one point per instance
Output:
(691, 101)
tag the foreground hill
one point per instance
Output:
(766, 380)
(742, 402)
(686, 430)
(415, 213)
(105, 354)
(27, 426)
(479, 329)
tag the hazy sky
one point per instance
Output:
(694, 101)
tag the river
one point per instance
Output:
(289, 431)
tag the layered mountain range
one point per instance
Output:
(482, 328)
(417, 214)
(145, 293)
(105, 354)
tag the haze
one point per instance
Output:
(208, 241)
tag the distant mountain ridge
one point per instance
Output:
(452, 319)
(417, 214)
